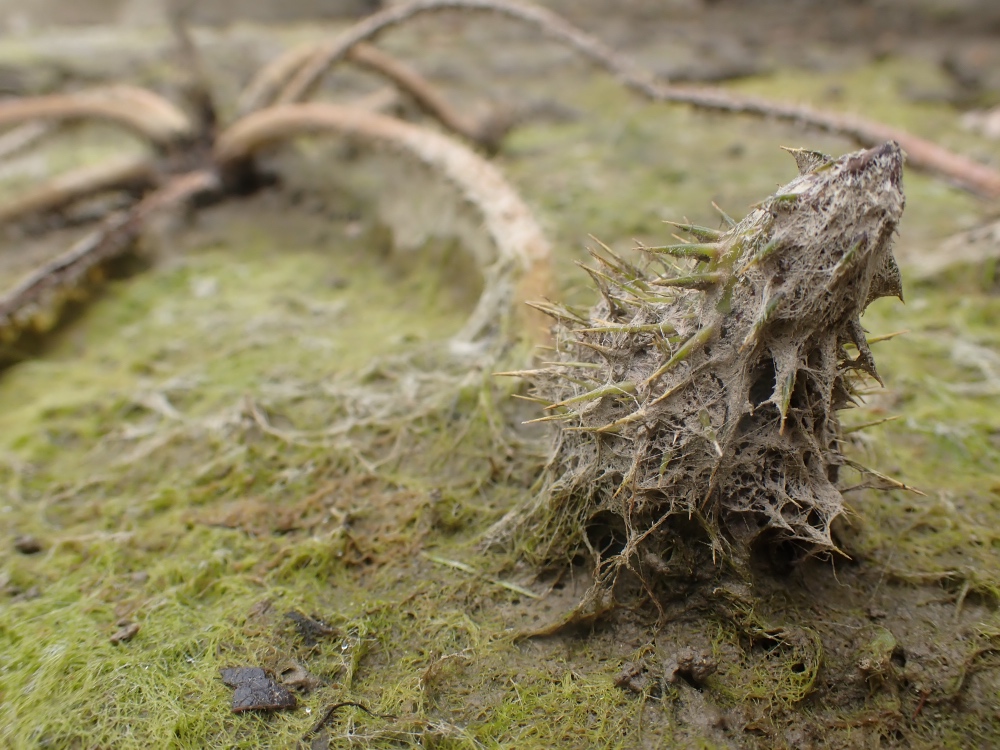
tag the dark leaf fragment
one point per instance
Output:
(256, 691)
(125, 633)
(311, 629)
(27, 544)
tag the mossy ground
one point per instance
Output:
(172, 451)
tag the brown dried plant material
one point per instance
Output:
(255, 691)
(122, 173)
(708, 391)
(126, 632)
(311, 630)
(144, 113)
(264, 87)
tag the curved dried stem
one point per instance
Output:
(35, 301)
(425, 95)
(268, 82)
(922, 154)
(149, 116)
(263, 90)
(521, 270)
(549, 23)
(116, 174)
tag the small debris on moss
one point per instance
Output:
(311, 629)
(633, 677)
(259, 609)
(691, 667)
(293, 675)
(27, 544)
(125, 633)
(256, 691)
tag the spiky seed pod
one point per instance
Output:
(710, 392)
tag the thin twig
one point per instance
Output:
(138, 110)
(24, 137)
(922, 154)
(466, 568)
(522, 269)
(325, 719)
(116, 174)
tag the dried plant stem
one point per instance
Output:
(725, 436)
(45, 287)
(549, 23)
(144, 113)
(922, 154)
(127, 172)
(521, 270)
(420, 90)
(268, 84)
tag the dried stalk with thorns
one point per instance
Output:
(698, 402)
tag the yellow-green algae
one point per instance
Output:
(168, 450)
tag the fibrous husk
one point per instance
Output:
(700, 397)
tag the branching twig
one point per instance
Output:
(60, 191)
(268, 82)
(138, 110)
(521, 270)
(922, 154)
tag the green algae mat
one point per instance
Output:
(260, 450)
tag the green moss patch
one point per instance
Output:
(270, 421)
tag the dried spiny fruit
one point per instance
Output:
(709, 390)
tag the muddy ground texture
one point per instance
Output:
(256, 448)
